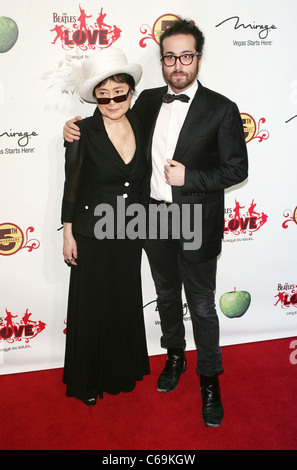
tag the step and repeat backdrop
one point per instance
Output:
(249, 56)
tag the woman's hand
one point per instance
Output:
(69, 245)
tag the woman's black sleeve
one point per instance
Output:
(73, 176)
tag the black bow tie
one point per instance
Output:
(170, 98)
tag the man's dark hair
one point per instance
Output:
(184, 27)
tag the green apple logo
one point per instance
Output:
(235, 304)
(8, 33)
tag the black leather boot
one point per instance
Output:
(175, 365)
(212, 408)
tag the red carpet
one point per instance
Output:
(259, 391)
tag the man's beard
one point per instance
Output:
(181, 82)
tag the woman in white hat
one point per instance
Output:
(105, 341)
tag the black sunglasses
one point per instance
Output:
(116, 99)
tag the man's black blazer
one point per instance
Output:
(212, 147)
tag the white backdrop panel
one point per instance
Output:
(250, 57)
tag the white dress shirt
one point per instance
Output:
(168, 126)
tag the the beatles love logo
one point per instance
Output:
(85, 31)
(286, 296)
(242, 220)
(25, 329)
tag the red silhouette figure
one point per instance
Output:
(263, 219)
(280, 298)
(8, 320)
(82, 20)
(60, 33)
(100, 20)
(236, 210)
(25, 318)
(116, 32)
(251, 209)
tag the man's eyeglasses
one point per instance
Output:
(185, 59)
(116, 99)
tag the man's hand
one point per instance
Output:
(70, 131)
(174, 173)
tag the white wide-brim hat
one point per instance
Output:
(104, 64)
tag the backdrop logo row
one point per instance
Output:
(86, 30)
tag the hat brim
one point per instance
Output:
(86, 89)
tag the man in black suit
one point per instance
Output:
(196, 148)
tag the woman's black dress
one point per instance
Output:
(105, 337)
